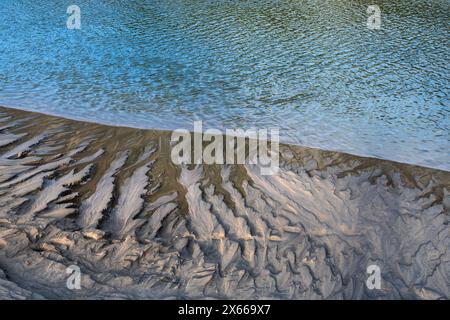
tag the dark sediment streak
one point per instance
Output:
(109, 200)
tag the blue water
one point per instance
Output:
(311, 68)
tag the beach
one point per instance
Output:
(109, 200)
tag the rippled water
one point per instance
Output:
(312, 68)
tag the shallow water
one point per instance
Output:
(311, 68)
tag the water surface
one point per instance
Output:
(311, 68)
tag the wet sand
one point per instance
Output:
(110, 201)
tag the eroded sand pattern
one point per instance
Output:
(109, 200)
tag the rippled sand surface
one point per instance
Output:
(311, 68)
(109, 200)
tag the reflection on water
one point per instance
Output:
(312, 68)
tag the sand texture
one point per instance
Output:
(110, 201)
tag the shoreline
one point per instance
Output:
(109, 200)
(168, 131)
